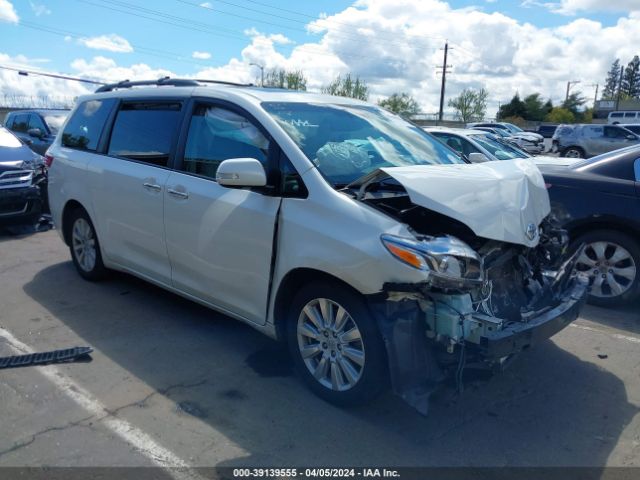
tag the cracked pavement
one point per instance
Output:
(217, 393)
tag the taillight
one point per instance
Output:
(48, 160)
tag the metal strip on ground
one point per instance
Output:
(138, 439)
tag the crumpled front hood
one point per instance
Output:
(503, 201)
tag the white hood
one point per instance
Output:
(503, 201)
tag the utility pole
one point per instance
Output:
(595, 97)
(444, 80)
(569, 85)
(261, 67)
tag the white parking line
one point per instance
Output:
(138, 439)
(619, 336)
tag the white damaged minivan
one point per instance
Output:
(376, 252)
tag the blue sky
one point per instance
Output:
(506, 46)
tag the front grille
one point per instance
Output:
(16, 179)
(12, 208)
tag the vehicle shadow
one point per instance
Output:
(549, 409)
(626, 317)
(10, 232)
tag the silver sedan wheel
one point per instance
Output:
(611, 268)
(330, 344)
(84, 244)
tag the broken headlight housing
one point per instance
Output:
(450, 263)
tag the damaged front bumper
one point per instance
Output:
(519, 336)
(427, 338)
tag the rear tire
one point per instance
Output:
(85, 247)
(335, 344)
(573, 152)
(612, 261)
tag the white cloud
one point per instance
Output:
(206, 5)
(201, 55)
(8, 12)
(396, 46)
(110, 42)
(39, 9)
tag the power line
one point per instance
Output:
(26, 73)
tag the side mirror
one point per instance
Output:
(35, 132)
(477, 157)
(241, 172)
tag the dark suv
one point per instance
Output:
(36, 128)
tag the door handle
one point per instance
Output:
(177, 193)
(152, 186)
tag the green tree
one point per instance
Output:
(470, 105)
(560, 115)
(515, 108)
(611, 83)
(535, 108)
(289, 79)
(401, 103)
(348, 87)
(630, 87)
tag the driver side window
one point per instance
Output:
(217, 134)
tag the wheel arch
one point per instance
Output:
(71, 206)
(290, 284)
(614, 224)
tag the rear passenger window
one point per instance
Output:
(217, 134)
(630, 115)
(145, 131)
(84, 128)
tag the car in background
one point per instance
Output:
(36, 128)
(482, 146)
(22, 181)
(533, 143)
(546, 131)
(587, 140)
(598, 202)
(616, 118)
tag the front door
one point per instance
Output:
(220, 239)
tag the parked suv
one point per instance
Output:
(587, 140)
(366, 244)
(36, 128)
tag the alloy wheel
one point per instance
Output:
(330, 344)
(84, 244)
(573, 153)
(611, 268)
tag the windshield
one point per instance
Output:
(55, 121)
(513, 128)
(347, 142)
(7, 139)
(500, 150)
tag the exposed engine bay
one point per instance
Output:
(482, 302)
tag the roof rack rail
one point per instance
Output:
(166, 81)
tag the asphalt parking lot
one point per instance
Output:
(172, 383)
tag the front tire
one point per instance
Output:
(85, 247)
(612, 261)
(335, 344)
